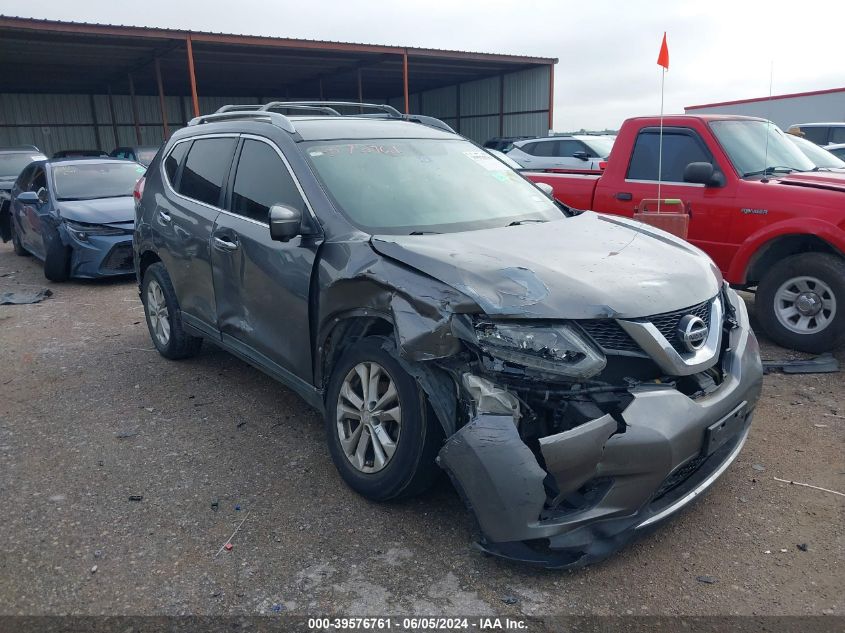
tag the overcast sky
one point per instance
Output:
(719, 50)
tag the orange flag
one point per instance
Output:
(663, 57)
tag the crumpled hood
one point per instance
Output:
(100, 211)
(587, 266)
(834, 180)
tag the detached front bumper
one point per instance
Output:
(617, 484)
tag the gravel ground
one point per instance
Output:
(91, 415)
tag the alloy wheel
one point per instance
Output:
(157, 313)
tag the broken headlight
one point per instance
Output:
(555, 349)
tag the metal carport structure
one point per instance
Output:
(81, 85)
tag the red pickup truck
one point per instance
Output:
(767, 216)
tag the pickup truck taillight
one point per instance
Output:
(138, 191)
(602, 165)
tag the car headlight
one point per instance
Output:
(81, 230)
(555, 349)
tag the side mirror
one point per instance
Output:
(28, 197)
(581, 155)
(285, 222)
(703, 174)
(546, 188)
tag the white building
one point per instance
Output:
(784, 110)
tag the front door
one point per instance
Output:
(262, 286)
(711, 209)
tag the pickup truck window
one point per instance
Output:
(681, 146)
(758, 147)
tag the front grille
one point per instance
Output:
(609, 335)
(118, 258)
(667, 323)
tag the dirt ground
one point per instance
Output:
(90, 415)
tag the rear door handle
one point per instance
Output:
(225, 244)
(165, 217)
(624, 195)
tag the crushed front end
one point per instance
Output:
(576, 436)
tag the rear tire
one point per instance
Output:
(800, 302)
(164, 318)
(57, 256)
(409, 447)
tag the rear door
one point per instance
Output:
(262, 286)
(195, 173)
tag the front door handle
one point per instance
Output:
(224, 244)
(624, 195)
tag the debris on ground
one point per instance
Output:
(759, 467)
(94, 569)
(510, 599)
(122, 435)
(136, 497)
(228, 544)
(10, 298)
(821, 364)
(802, 546)
(798, 483)
(215, 505)
(707, 580)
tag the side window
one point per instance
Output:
(39, 180)
(205, 169)
(568, 148)
(816, 134)
(680, 147)
(173, 160)
(25, 178)
(529, 148)
(262, 180)
(546, 148)
(837, 135)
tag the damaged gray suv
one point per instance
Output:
(579, 377)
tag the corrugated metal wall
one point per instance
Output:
(821, 108)
(54, 122)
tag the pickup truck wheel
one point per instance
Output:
(164, 318)
(800, 303)
(381, 432)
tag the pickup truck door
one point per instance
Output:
(711, 209)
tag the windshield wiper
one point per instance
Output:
(424, 233)
(518, 222)
(771, 170)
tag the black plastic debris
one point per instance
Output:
(136, 497)
(510, 599)
(802, 546)
(821, 364)
(707, 580)
(10, 298)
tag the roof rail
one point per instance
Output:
(382, 107)
(239, 107)
(291, 105)
(279, 120)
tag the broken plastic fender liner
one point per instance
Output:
(498, 475)
(572, 456)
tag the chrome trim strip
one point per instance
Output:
(700, 488)
(653, 343)
(665, 183)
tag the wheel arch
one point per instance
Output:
(147, 259)
(778, 248)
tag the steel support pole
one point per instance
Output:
(405, 81)
(164, 126)
(96, 123)
(113, 119)
(134, 109)
(192, 74)
(551, 97)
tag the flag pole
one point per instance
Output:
(660, 147)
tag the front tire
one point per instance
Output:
(800, 302)
(164, 318)
(16, 242)
(382, 435)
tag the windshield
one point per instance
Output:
(820, 156)
(746, 146)
(87, 181)
(12, 163)
(600, 145)
(425, 186)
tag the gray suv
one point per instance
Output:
(579, 377)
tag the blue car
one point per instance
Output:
(76, 215)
